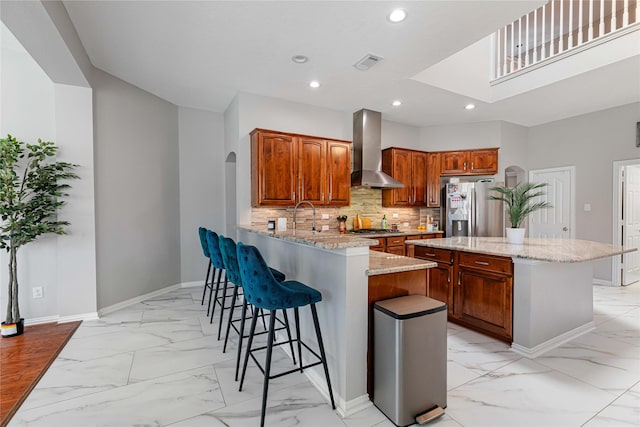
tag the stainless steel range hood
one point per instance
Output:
(367, 152)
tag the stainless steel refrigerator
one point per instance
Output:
(468, 211)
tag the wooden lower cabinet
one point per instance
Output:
(477, 288)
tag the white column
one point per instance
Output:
(590, 32)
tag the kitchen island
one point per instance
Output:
(537, 295)
(339, 266)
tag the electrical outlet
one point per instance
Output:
(325, 228)
(406, 224)
(37, 292)
(394, 216)
(587, 207)
(325, 216)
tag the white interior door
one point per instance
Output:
(631, 224)
(556, 221)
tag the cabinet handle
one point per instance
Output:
(430, 254)
(464, 166)
(459, 278)
(471, 165)
(448, 276)
(293, 195)
(329, 197)
(322, 196)
(482, 263)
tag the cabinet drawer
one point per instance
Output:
(395, 250)
(395, 241)
(414, 237)
(486, 262)
(433, 254)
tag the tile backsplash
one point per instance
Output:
(366, 202)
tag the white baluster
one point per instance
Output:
(580, 33)
(504, 55)
(561, 32)
(527, 56)
(601, 27)
(520, 63)
(512, 45)
(590, 33)
(552, 24)
(535, 36)
(637, 12)
(614, 18)
(570, 24)
(625, 14)
(543, 53)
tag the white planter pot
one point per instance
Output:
(515, 235)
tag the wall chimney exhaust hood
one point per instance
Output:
(367, 152)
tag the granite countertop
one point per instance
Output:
(319, 239)
(537, 249)
(331, 239)
(384, 263)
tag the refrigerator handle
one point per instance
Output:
(472, 212)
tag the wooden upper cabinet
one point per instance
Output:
(312, 170)
(274, 169)
(433, 180)
(338, 173)
(484, 162)
(288, 168)
(410, 168)
(454, 162)
(469, 162)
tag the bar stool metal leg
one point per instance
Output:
(286, 325)
(222, 307)
(296, 314)
(206, 282)
(209, 308)
(241, 336)
(316, 324)
(267, 368)
(230, 319)
(252, 329)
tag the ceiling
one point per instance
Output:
(200, 54)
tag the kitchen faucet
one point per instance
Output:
(295, 209)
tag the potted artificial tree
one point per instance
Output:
(31, 189)
(519, 206)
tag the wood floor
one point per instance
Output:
(25, 358)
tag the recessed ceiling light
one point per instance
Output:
(397, 15)
(396, 103)
(469, 106)
(299, 59)
(314, 84)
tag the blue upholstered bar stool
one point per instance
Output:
(202, 232)
(263, 291)
(230, 258)
(216, 259)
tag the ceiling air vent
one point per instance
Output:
(367, 62)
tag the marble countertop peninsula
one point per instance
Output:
(384, 263)
(536, 249)
(319, 239)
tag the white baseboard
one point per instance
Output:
(136, 300)
(61, 319)
(603, 282)
(196, 284)
(546, 346)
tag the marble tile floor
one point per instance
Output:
(157, 363)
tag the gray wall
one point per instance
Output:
(137, 191)
(202, 181)
(591, 143)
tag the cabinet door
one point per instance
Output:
(484, 300)
(338, 174)
(274, 168)
(439, 284)
(433, 180)
(395, 250)
(397, 164)
(483, 162)
(454, 162)
(418, 178)
(312, 170)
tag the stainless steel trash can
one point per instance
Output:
(410, 362)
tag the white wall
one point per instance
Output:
(400, 135)
(202, 182)
(137, 190)
(34, 107)
(591, 143)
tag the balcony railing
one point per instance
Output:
(557, 28)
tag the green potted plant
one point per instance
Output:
(31, 188)
(519, 204)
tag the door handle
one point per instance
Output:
(564, 229)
